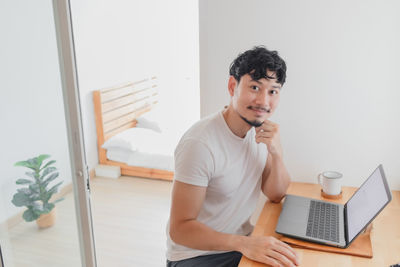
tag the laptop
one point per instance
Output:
(331, 223)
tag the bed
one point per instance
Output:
(125, 138)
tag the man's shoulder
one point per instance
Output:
(204, 128)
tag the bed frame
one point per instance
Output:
(116, 110)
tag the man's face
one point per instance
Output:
(254, 100)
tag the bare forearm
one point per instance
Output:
(197, 235)
(277, 181)
(265, 249)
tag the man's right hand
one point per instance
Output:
(269, 250)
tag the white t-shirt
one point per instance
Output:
(210, 155)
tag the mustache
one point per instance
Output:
(268, 110)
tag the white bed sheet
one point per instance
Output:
(158, 156)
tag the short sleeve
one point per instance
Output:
(194, 163)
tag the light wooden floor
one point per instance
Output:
(129, 216)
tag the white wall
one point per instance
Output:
(31, 111)
(122, 41)
(339, 108)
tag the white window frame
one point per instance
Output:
(80, 173)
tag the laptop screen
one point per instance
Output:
(369, 199)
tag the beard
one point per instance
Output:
(254, 123)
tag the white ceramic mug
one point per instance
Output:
(331, 182)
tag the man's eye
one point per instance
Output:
(273, 92)
(254, 87)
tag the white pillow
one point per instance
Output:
(143, 122)
(133, 139)
(152, 120)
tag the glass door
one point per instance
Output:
(45, 216)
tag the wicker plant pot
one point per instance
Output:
(47, 220)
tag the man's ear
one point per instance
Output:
(232, 83)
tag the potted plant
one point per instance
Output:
(36, 196)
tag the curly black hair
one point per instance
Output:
(256, 62)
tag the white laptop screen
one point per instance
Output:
(366, 203)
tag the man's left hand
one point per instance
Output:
(268, 133)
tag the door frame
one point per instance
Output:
(79, 168)
(1, 258)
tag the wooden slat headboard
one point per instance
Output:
(117, 108)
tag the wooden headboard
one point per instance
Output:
(117, 108)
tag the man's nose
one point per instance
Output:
(263, 98)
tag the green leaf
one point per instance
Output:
(23, 181)
(35, 192)
(54, 188)
(46, 196)
(49, 179)
(47, 207)
(25, 191)
(27, 164)
(35, 197)
(58, 200)
(48, 164)
(35, 188)
(40, 159)
(33, 162)
(29, 215)
(20, 199)
(34, 175)
(31, 174)
(37, 208)
(47, 171)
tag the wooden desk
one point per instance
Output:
(385, 235)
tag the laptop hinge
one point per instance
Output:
(346, 232)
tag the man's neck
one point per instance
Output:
(237, 125)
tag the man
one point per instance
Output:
(221, 164)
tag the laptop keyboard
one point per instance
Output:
(323, 221)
